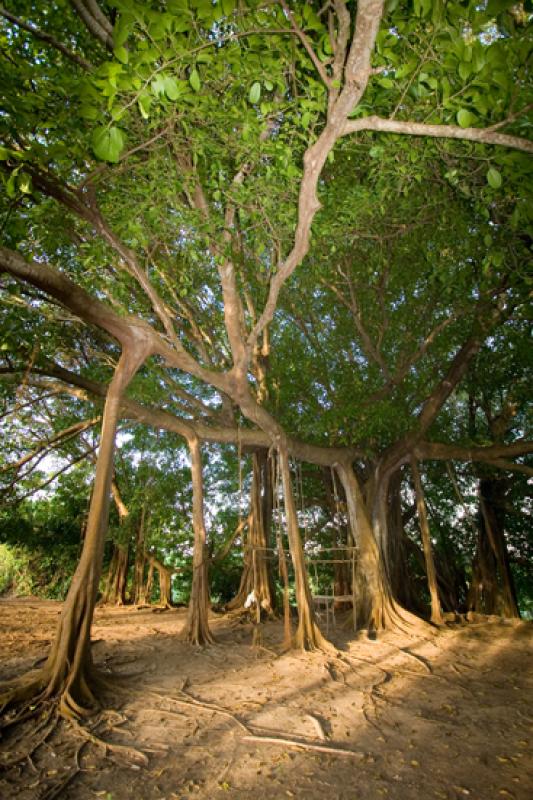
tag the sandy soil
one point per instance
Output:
(446, 715)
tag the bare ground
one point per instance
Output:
(444, 715)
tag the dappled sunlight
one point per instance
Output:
(444, 715)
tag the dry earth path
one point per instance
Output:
(448, 715)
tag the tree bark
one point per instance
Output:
(197, 623)
(376, 608)
(308, 635)
(115, 590)
(402, 584)
(257, 574)
(139, 588)
(436, 610)
(68, 672)
(492, 590)
(165, 580)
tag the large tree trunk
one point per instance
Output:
(197, 623)
(492, 590)
(68, 671)
(342, 570)
(115, 590)
(256, 575)
(376, 608)
(117, 574)
(402, 585)
(436, 610)
(165, 580)
(138, 591)
(308, 635)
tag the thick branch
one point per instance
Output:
(437, 451)
(251, 438)
(356, 75)
(46, 37)
(93, 24)
(71, 296)
(484, 135)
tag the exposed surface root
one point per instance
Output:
(130, 754)
(418, 730)
(320, 748)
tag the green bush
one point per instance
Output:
(15, 571)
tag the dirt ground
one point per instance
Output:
(446, 715)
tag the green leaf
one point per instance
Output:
(11, 186)
(464, 70)
(228, 7)
(194, 80)
(172, 90)
(121, 54)
(24, 183)
(108, 143)
(89, 112)
(495, 7)
(465, 118)
(494, 178)
(145, 101)
(158, 85)
(255, 93)
(6, 154)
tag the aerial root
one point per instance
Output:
(419, 659)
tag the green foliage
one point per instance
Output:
(108, 143)
(15, 571)
(411, 236)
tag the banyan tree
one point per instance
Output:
(296, 229)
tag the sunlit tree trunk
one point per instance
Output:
(256, 575)
(115, 590)
(436, 610)
(139, 593)
(197, 623)
(165, 580)
(376, 608)
(68, 671)
(308, 635)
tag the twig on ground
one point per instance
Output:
(317, 726)
(334, 751)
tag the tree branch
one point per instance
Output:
(437, 451)
(47, 38)
(307, 45)
(356, 75)
(483, 135)
(93, 25)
